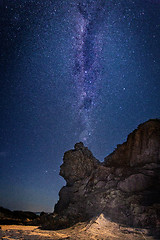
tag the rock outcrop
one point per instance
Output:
(8, 217)
(142, 146)
(125, 187)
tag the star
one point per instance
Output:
(71, 71)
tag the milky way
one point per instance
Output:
(87, 47)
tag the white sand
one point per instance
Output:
(98, 229)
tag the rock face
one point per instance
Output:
(125, 187)
(142, 146)
(77, 164)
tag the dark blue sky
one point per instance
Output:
(71, 70)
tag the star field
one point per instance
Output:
(71, 71)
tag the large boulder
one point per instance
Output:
(125, 187)
(135, 183)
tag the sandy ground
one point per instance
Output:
(98, 229)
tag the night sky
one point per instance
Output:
(71, 71)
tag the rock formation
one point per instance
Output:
(125, 187)
(8, 217)
(142, 147)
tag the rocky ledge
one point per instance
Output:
(125, 187)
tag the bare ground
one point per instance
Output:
(97, 229)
